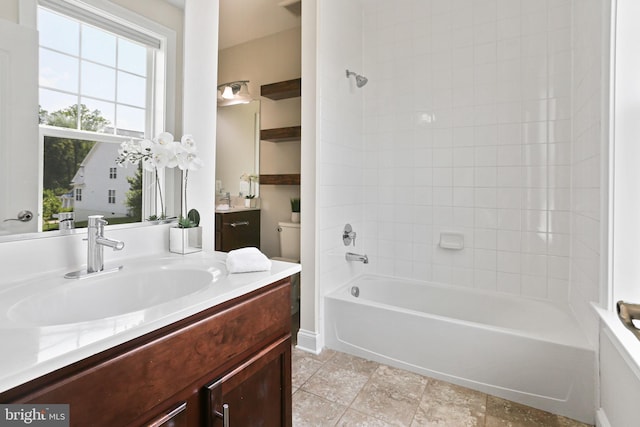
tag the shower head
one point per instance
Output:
(360, 80)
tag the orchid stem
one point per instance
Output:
(159, 187)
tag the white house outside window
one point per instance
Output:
(113, 173)
(111, 197)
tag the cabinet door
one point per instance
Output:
(237, 230)
(256, 393)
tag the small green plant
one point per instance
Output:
(153, 218)
(295, 204)
(192, 220)
(250, 196)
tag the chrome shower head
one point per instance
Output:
(360, 80)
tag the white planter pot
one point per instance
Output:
(295, 216)
(185, 240)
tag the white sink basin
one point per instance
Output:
(114, 294)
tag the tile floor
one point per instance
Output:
(337, 389)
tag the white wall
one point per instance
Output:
(331, 155)
(9, 10)
(619, 349)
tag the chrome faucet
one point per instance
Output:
(350, 256)
(96, 241)
(227, 198)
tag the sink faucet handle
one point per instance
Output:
(98, 222)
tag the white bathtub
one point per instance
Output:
(521, 349)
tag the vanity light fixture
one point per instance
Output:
(234, 93)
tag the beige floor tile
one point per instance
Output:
(310, 410)
(449, 405)
(410, 384)
(392, 395)
(304, 365)
(353, 418)
(322, 357)
(501, 412)
(325, 384)
(567, 422)
(353, 363)
(336, 383)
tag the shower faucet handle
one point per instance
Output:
(348, 235)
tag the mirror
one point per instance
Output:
(25, 171)
(237, 148)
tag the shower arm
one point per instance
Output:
(360, 80)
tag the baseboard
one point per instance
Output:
(309, 341)
(601, 419)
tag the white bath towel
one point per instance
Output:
(245, 260)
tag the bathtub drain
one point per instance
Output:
(355, 291)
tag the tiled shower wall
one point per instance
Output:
(590, 53)
(467, 128)
(339, 139)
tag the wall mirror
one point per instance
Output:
(237, 148)
(94, 75)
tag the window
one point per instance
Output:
(91, 78)
(101, 82)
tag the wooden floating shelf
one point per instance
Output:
(292, 133)
(282, 90)
(280, 179)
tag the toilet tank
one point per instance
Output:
(289, 240)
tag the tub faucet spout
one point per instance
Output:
(350, 256)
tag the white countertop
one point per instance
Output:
(32, 351)
(236, 209)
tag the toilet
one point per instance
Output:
(290, 252)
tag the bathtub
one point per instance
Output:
(525, 350)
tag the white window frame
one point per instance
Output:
(111, 197)
(162, 72)
(113, 173)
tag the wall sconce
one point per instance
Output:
(233, 93)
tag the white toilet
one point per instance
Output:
(290, 252)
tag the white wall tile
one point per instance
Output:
(484, 145)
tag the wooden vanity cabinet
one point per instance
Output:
(237, 353)
(266, 373)
(237, 229)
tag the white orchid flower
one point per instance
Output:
(188, 143)
(165, 138)
(164, 156)
(188, 160)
